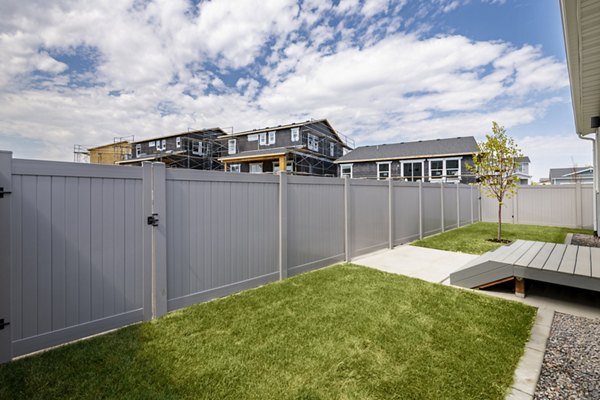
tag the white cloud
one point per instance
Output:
(373, 82)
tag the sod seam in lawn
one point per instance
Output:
(473, 239)
(341, 332)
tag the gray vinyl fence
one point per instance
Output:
(569, 205)
(78, 255)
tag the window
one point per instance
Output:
(252, 138)
(161, 145)
(313, 142)
(436, 169)
(346, 170)
(235, 168)
(332, 149)
(295, 134)
(231, 146)
(138, 150)
(272, 137)
(256, 168)
(451, 167)
(151, 144)
(178, 142)
(288, 167)
(197, 148)
(412, 170)
(263, 139)
(383, 170)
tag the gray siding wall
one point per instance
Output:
(81, 253)
(368, 169)
(171, 143)
(554, 205)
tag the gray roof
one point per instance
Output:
(524, 159)
(561, 172)
(422, 148)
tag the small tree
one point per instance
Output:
(495, 166)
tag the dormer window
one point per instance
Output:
(272, 137)
(312, 142)
(295, 134)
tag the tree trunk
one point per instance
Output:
(499, 221)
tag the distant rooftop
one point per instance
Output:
(419, 149)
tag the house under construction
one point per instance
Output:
(200, 149)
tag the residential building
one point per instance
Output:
(561, 176)
(522, 171)
(425, 160)
(109, 153)
(306, 148)
(198, 149)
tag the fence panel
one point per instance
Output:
(315, 222)
(369, 216)
(465, 204)
(406, 212)
(77, 251)
(222, 234)
(432, 209)
(450, 206)
(568, 205)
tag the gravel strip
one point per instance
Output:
(585, 240)
(571, 367)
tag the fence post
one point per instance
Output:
(458, 205)
(390, 213)
(471, 196)
(442, 206)
(347, 250)
(420, 210)
(283, 228)
(155, 240)
(578, 205)
(5, 255)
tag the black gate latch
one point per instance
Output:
(3, 324)
(153, 220)
(2, 192)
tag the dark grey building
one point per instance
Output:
(561, 176)
(200, 149)
(305, 148)
(425, 160)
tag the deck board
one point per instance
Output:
(511, 259)
(567, 264)
(595, 262)
(540, 259)
(583, 266)
(530, 254)
(514, 248)
(555, 258)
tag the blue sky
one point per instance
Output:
(381, 71)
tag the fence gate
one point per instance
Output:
(5, 189)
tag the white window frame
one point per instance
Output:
(295, 134)
(272, 137)
(444, 177)
(163, 144)
(288, 166)
(231, 146)
(422, 162)
(379, 164)
(151, 144)
(138, 150)
(342, 166)
(256, 164)
(198, 150)
(312, 142)
(178, 142)
(262, 139)
(237, 168)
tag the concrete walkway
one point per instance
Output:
(417, 262)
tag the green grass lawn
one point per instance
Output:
(473, 238)
(345, 332)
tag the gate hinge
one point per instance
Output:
(2, 192)
(153, 219)
(3, 324)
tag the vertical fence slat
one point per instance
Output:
(283, 228)
(420, 210)
(5, 256)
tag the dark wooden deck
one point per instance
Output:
(569, 265)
